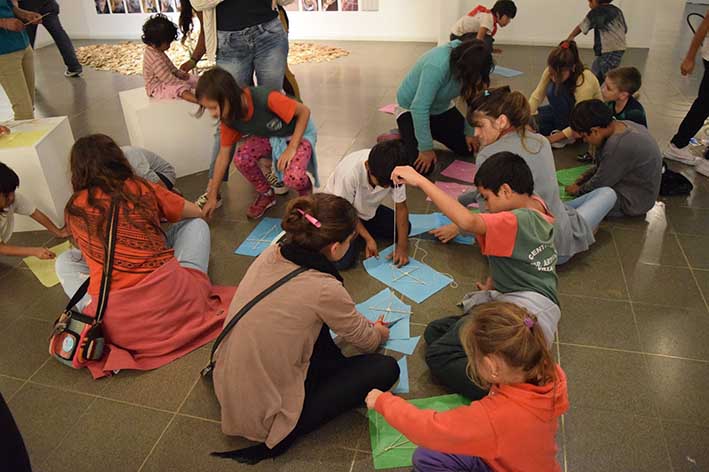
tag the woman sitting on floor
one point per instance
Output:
(161, 304)
(278, 373)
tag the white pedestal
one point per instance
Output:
(38, 151)
(169, 129)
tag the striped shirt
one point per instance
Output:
(159, 70)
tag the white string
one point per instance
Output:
(417, 248)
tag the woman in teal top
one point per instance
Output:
(16, 58)
(426, 95)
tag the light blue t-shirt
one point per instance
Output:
(11, 41)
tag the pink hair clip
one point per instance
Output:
(528, 322)
(311, 219)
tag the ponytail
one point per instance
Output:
(566, 56)
(186, 19)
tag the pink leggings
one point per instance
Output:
(254, 148)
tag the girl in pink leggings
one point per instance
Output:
(278, 128)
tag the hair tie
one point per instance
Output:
(311, 219)
(565, 45)
(528, 322)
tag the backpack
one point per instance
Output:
(673, 183)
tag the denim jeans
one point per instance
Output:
(556, 115)
(260, 49)
(189, 238)
(604, 63)
(427, 460)
(56, 30)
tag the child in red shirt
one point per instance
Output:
(514, 427)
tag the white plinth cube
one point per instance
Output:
(169, 129)
(38, 151)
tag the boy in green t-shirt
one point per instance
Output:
(517, 236)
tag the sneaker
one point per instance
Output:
(563, 143)
(390, 136)
(683, 155)
(69, 73)
(278, 187)
(202, 200)
(263, 202)
(585, 157)
(702, 167)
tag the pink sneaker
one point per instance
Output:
(263, 202)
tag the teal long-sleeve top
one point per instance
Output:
(11, 41)
(429, 89)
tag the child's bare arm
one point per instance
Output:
(23, 251)
(575, 32)
(687, 66)
(44, 220)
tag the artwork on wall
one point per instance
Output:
(167, 6)
(133, 6)
(309, 5)
(102, 7)
(118, 6)
(150, 6)
(329, 5)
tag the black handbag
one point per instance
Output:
(78, 338)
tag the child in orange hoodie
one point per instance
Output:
(514, 427)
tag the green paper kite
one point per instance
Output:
(567, 177)
(390, 448)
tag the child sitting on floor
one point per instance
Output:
(628, 159)
(279, 128)
(564, 82)
(517, 235)
(11, 203)
(618, 90)
(363, 178)
(481, 23)
(513, 428)
(162, 78)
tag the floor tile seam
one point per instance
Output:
(28, 379)
(167, 426)
(642, 353)
(691, 271)
(564, 456)
(636, 302)
(201, 418)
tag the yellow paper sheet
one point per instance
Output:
(20, 139)
(44, 268)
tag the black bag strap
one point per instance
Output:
(106, 275)
(227, 329)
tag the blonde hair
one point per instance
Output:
(511, 332)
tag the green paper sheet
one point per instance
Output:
(20, 139)
(567, 177)
(382, 435)
(43, 269)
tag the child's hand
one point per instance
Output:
(381, 328)
(687, 67)
(12, 24)
(372, 397)
(208, 208)
(63, 233)
(285, 158)
(4, 130)
(400, 256)
(446, 233)
(496, 51)
(425, 161)
(29, 17)
(43, 253)
(371, 249)
(572, 189)
(487, 285)
(473, 143)
(406, 175)
(187, 66)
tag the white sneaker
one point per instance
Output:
(563, 143)
(202, 200)
(683, 155)
(702, 167)
(278, 187)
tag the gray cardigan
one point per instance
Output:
(572, 234)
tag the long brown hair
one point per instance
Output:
(337, 217)
(471, 64)
(219, 85)
(502, 101)
(566, 56)
(185, 21)
(511, 332)
(99, 166)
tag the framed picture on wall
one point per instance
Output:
(178, 5)
(102, 7)
(309, 5)
(329, 5)
(133, 6)
(167, 6)
(350, 5)
(368, 5)
(292, 6)
(118, 6)
(150, 6)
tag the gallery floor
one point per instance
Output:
(632, 340)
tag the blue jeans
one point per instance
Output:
(427, 460)
(260, 49)
(556, 115)
(189, 238)
(606, 62)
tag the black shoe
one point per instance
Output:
(585, 157)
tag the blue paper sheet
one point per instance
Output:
(403, 385)
(460, 239)
(387, 304)
(422, 223)
(404, 346)
(415, 280)
(506, 72)
(260, 238)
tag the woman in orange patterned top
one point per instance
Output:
(161, 304)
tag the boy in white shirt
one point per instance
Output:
(11, 203)
(482, 23)
(363, 178)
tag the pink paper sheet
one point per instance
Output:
(389, 109)
(455, 190)
(461, 170)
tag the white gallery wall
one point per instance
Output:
(539, 22)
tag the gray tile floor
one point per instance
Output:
(632, 337)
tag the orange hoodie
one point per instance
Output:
(512, 429)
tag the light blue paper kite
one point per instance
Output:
(415, 280)
(506, 72)
(387, 304)
(404, 346)
(403, 385)
(260, 238)
(423, 223)
(461, 238)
